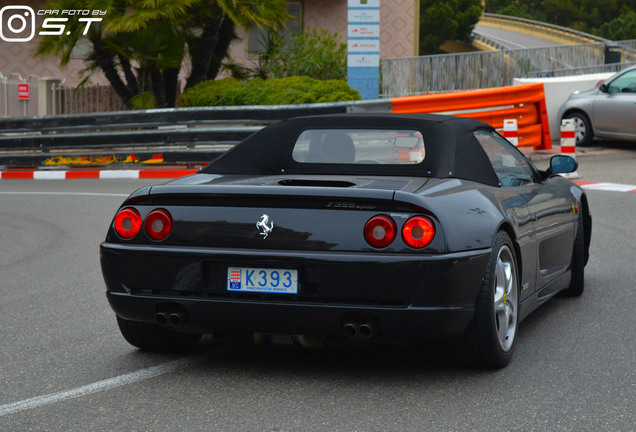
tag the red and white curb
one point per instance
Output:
(612, 187)
(175, 173)
(95, 174)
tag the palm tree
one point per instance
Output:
(220, 18)
(140, 45)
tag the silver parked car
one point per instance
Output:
(605, 112)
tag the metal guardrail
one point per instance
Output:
(154, 118)
(490, 44)
(542, 28)
(190, 134)
(132, 138)
(156, 127)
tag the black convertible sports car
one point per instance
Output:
(358, 227)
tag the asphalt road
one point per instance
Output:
(513, 39)
(65, 367)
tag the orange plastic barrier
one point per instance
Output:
(526, 103)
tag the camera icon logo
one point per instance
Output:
(17, 23)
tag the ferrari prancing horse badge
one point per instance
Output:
(265, 226)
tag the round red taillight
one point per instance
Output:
(418, 232)
(127, 223)
(158, 224)
(380, 231)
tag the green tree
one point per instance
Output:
(585, 15)
(442, 20)
(315, 54)
(283, 91)
(140, 45)
(621, 28)
(520, 11)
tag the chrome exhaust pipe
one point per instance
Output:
(177, 319)
(360, 325)
(162, 318)
(350, 329)
(366, 330)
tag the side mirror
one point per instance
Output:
(562, 164)
(603, 87)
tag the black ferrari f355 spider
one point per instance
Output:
(359, 227)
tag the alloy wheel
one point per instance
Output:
(506, 298)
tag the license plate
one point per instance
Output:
(261, 280)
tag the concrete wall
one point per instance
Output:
(557, 90)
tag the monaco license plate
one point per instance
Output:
(262, 280)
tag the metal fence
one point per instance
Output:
(14, 103)
(61, 99)
(470, 71)
(84, 99)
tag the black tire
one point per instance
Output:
(491, 341)
(153, 337)
(583, 128)
(577, 267)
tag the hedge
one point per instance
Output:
(283, 91)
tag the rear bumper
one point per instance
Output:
(312, 319)
(404, 296)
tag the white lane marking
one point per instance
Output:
(66, 193)
(119, 174)
(616, 187)
(49, 175)
(98, 386)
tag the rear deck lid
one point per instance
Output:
(316, 213)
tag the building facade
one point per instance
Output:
(399, 36)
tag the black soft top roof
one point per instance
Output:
(451, 148)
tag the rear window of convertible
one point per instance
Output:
(360, 146)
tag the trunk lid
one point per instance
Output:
(313, 213)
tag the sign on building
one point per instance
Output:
(363, 40)
(23, 91)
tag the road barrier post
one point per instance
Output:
(510, 131)
(568, 143)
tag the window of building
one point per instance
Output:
(257, 38)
